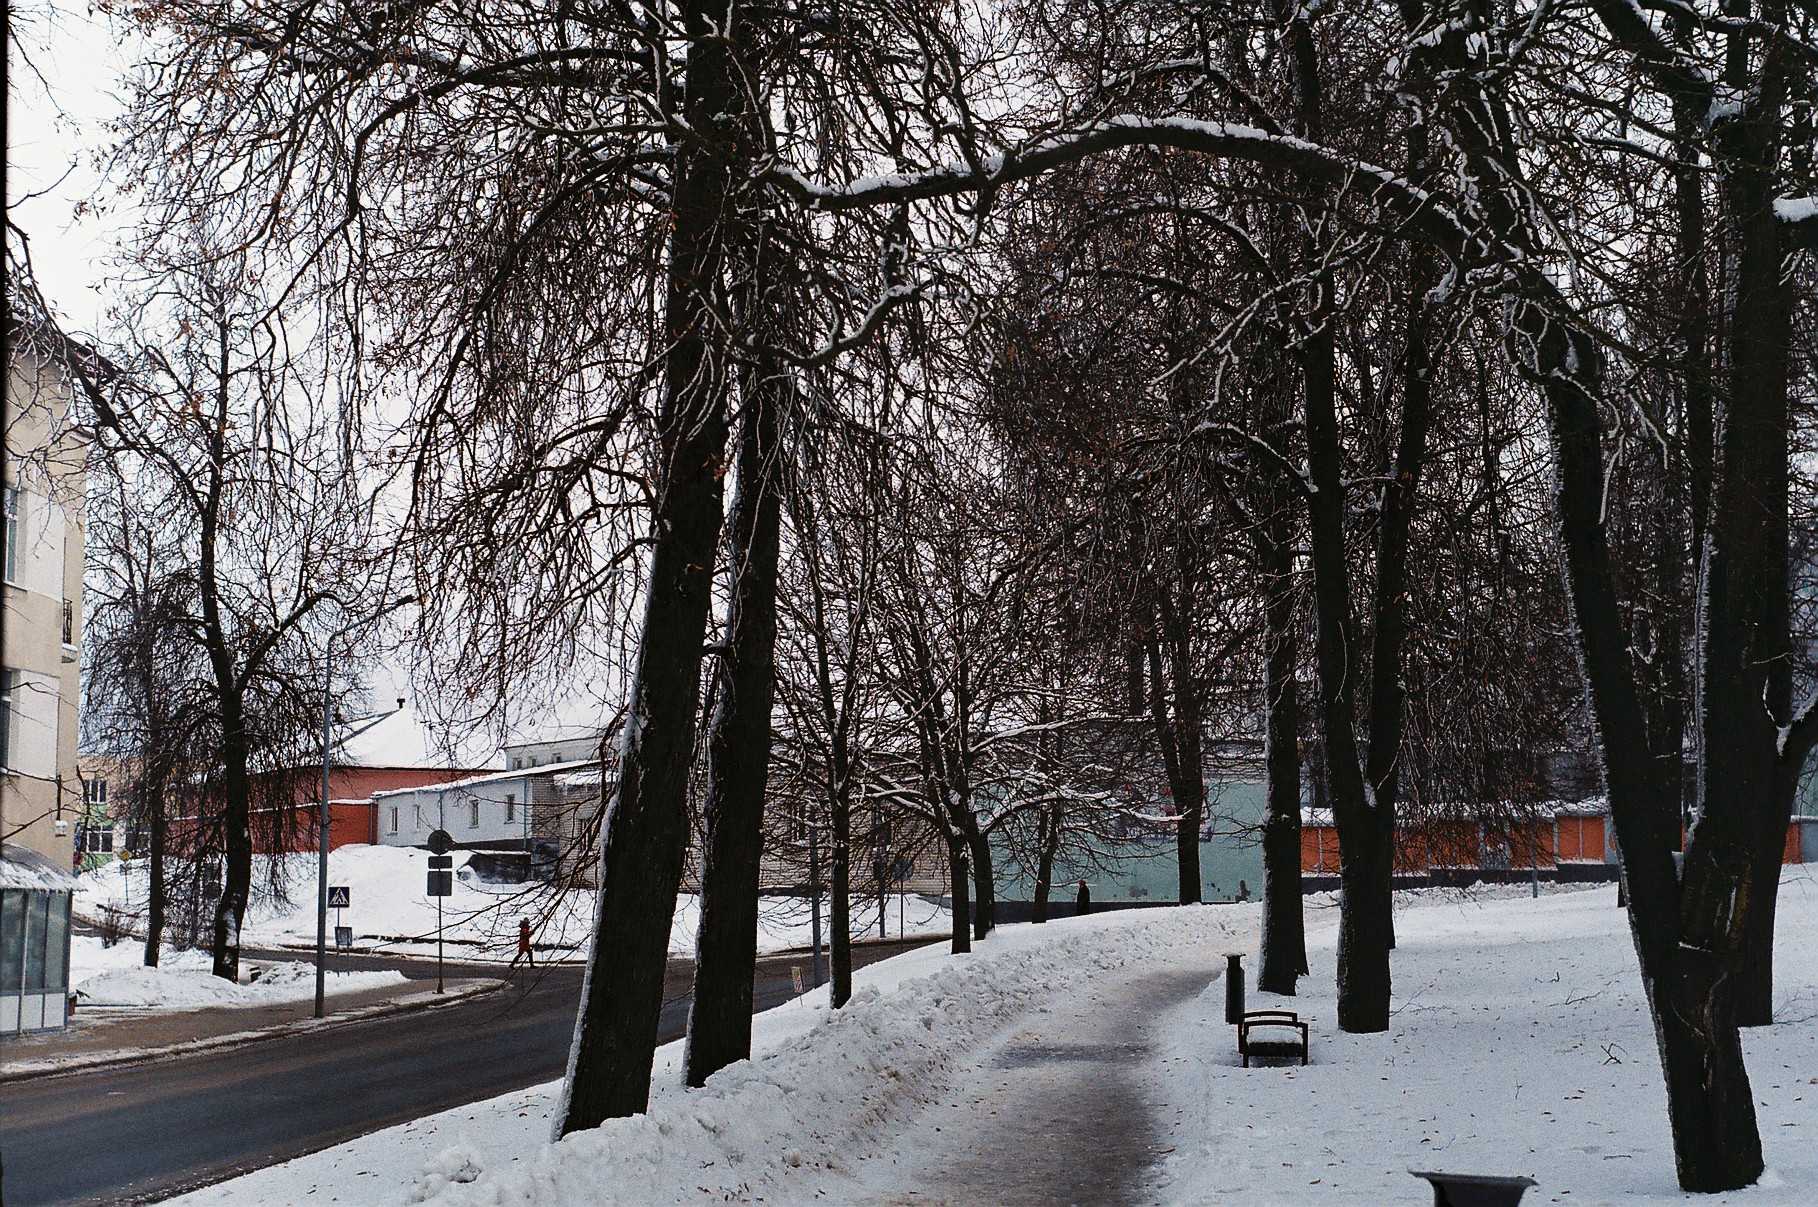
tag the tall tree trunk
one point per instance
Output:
(738, 754)
(984, 914)
(236, 822)
(646, 827)
(1365, 832)
(1716, 1142)
(1747, 675)
(960, 877)
(1048, 833)
(1284, 934)
(1177, 730)
(1189, 748)
(157, 891)
(840, 912)
(1363, 868)
(1389, 605)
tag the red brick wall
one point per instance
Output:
(356, 822)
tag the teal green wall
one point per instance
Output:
(1145, 869)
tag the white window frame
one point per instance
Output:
(10, 682)
(15, 518)
(394, 819)
(473, 814)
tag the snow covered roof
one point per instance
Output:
(586, 778)
(22, 867)
(1596, 806)
(399, 738)
(495, 776)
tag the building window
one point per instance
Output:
(98, 839)
(9, 686)
(511, 807)
(13, 508)
(418, 809)
(473, 815)
(94, 792)
(69, 623)
(394, 819)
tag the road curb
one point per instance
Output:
(424, 1000)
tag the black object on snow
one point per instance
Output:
(1474, 1189)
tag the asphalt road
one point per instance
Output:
(143, 1132)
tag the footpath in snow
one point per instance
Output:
(1519, 1045)
(827, 1088)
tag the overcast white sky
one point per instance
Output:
(57, 128)
(56, 125)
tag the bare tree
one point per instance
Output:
(223, 455)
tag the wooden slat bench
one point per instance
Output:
(1277, 1020)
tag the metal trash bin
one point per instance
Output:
(1475, 1189)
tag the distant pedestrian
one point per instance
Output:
(1243, 891)
(525, 952)
(1082, 904)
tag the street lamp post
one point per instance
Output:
(322, 828)
(328, 661)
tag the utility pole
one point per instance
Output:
(322, 835)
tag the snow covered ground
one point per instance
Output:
(786, 1127)
(116, 976)
(391, 911)
(1519, 1045)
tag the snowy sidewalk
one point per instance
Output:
(826, 1090)
(1057, 1114)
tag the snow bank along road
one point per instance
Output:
(838, 1107)
(1520, 1044)
(144, 1131)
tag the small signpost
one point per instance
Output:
(441, 884)
(340, 897)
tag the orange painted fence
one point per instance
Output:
(1566, 838)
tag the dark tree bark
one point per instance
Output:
(1284, 935)
(1388, 609)
(159, 890)
(984, 910)
(1364, 936)
(1716, 1143)
(1747, 680)
(236, 777)
(961, 878)
(840, 907)
(646, 827)
(1174, 711)
(738, 753)
(1048, 836)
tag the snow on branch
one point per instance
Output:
(1407, 201)
(1800, 214)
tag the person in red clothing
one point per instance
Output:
(525, 953)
